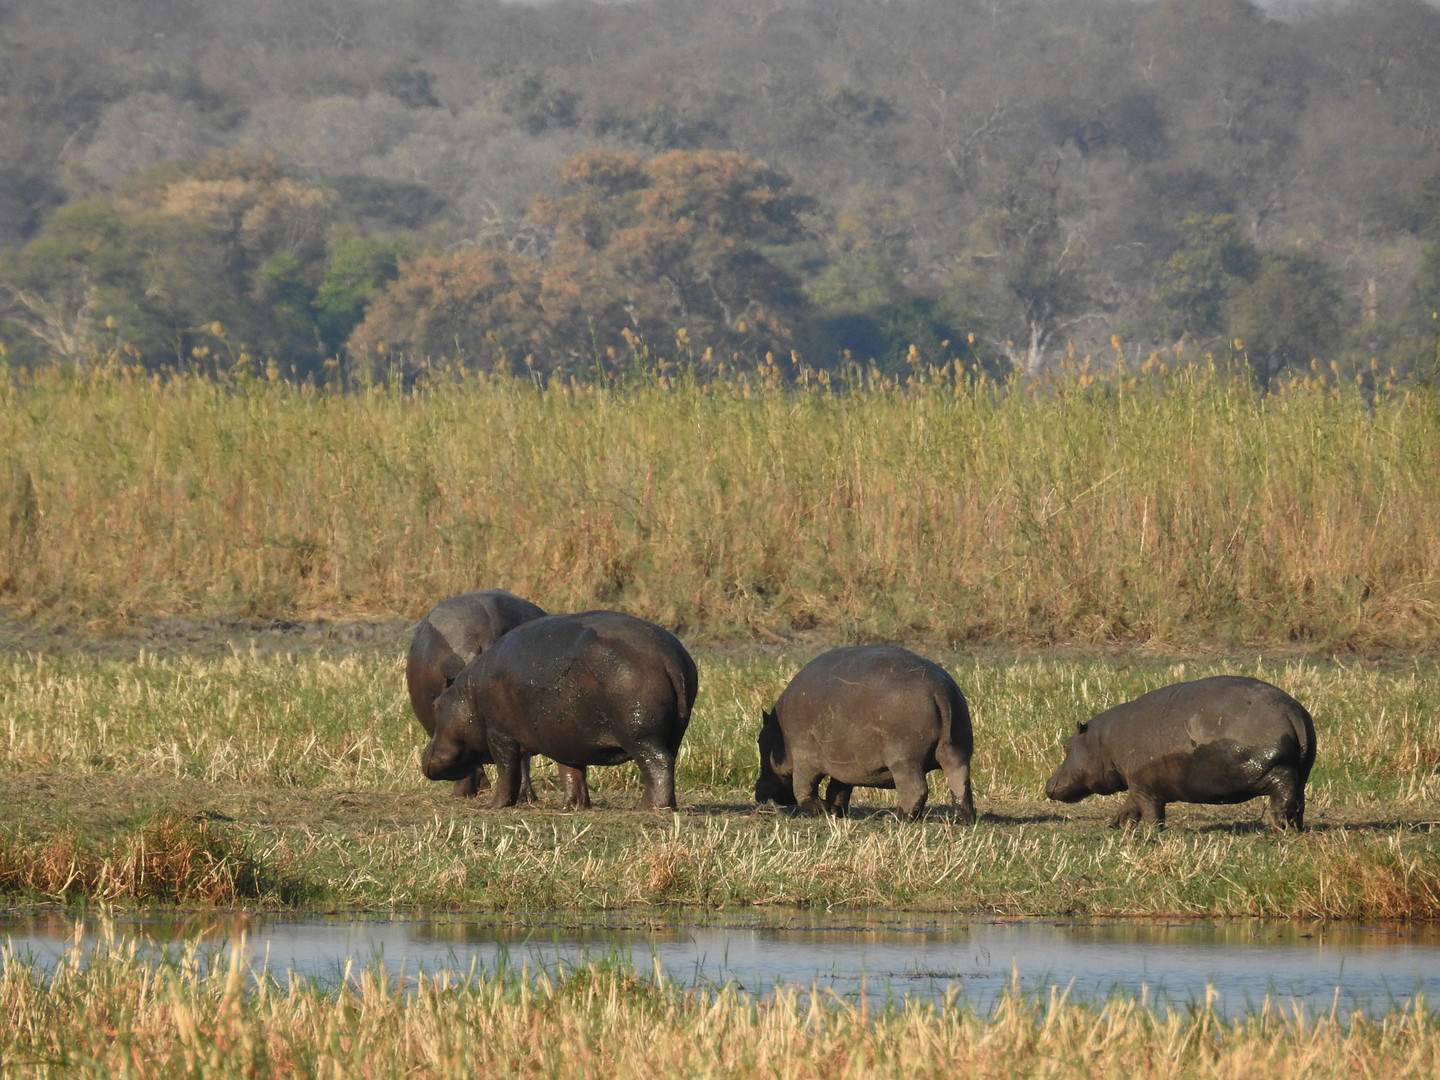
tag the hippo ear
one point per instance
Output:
(449, 681)
(1082, 727)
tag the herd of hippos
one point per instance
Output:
(494, 680)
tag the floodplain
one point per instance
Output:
(207, 591)
(291, 779)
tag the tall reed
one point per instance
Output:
(121, 1016)
(1178, 509)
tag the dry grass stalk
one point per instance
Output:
(1175, 508)
(123, 1016)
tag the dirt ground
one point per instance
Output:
(125, 638)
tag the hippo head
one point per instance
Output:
(458, 745)
(1086, 770)
(771, 785)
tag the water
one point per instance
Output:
(878, 957)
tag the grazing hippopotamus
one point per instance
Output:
(597, 688)
(1225, 739)
(868, 716)
(457, 631)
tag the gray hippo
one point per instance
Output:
(457, 631)
(868, 716)
(597, 688)
(1225, 739)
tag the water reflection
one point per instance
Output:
(1344, 967)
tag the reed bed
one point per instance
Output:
(293, 780)
(119, 1015)
(1182, 509)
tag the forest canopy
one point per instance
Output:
(331, 183)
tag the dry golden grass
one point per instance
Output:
(121, 1016)
(1175, 509)
(168, 860)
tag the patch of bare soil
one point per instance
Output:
(41, 804)
(127, 638)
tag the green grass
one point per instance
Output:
(293, 780)
(1181, 510)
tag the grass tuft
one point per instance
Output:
(169, 860)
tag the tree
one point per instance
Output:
(1026, 266)
(231, 240)
(863, 306)
(475, 306)
(96, 273)
(1288, 316)
(357, 268)
(678, 241)
(1196, 283)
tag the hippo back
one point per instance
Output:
(853, 699)
(453, 634)
(588, 673)
(1236, 708)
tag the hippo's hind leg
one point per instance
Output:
(1287, 800)
(911, 788)
(957, 775)
(657, 766)
(837, 797)
(577, 788)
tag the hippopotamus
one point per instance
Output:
(457, 631)
(1225, 739)
(868, 716)
(595, 688)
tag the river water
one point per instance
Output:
(876, 956)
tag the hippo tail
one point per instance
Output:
(1304, 726)
(684, 679)
(954, 712)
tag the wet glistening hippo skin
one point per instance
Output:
(866, 716)
(595, 688)
(1226, 739)
(449, 637)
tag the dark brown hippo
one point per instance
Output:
(457, 631)
(597, 688)
(1225, 739)
(868, 716)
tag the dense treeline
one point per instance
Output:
(343, 184)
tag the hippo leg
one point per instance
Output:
(470, 786)
(526, 794)
(508, 760)
(1127, 813)
(806, 784)
(911, 788)
(957, 776)
(577, 790)
(657, 766)
(837, 797)
(1140, 806)
(1287, 800)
